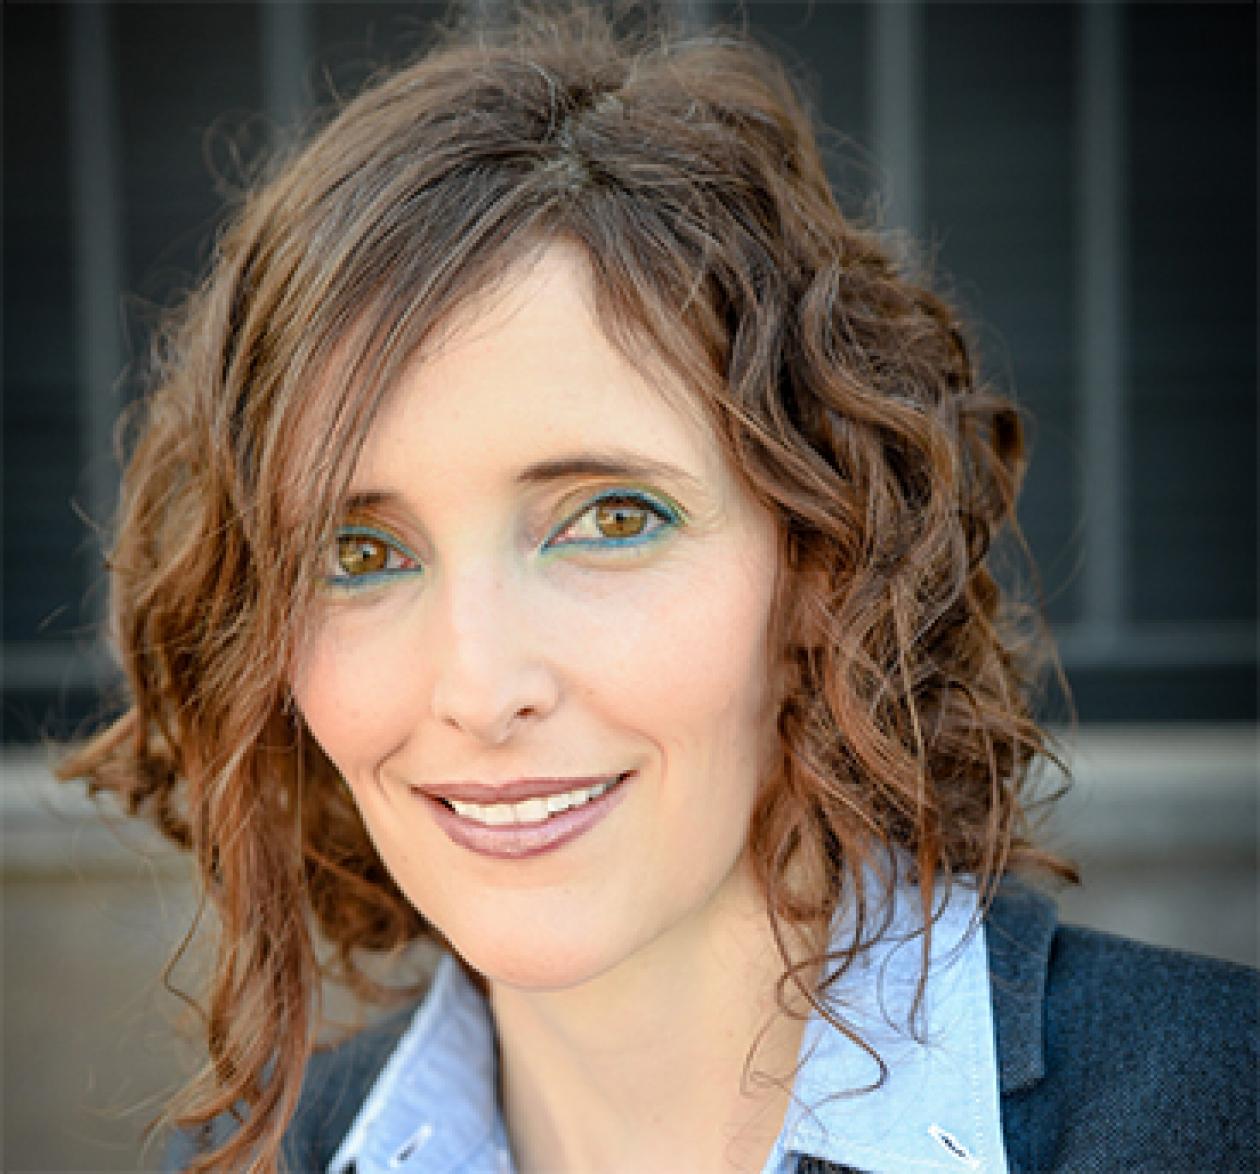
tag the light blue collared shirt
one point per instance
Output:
(434, 1106)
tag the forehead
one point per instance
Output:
(524, 370)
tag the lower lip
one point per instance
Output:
(519, 841)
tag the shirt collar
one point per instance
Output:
(937, 1108)
(434, 1107)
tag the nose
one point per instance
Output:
(490, 676)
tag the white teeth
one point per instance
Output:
(528, 810)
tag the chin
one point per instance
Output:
(532, 969)
(527, 957)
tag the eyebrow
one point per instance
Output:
(611, 463)
(605, 463)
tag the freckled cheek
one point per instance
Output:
(356, 694)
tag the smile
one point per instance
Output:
(531, 818)
(529, 810)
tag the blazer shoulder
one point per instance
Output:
(1159, 1018)
(1148, 1055)
(1092, 973)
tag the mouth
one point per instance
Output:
(532, 810)
(521, 819)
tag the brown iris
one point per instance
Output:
(620, 517)
(360, 554)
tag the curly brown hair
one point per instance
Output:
(843, 393)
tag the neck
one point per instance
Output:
(646, 1066)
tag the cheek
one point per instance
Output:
(717, 638)
(680, 643)
(351, 686)
(721, 729)
(689, 668)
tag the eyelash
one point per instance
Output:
(665, 515)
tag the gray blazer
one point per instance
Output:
(1112, 1056)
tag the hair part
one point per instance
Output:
(844, 394)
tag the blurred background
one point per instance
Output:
(1082, 178)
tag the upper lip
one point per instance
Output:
(513, 790)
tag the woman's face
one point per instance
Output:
(548, 580)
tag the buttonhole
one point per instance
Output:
(413, 1143)
(948, 1141)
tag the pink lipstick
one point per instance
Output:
(523, 818)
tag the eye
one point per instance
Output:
(362, 554)
(617, 519)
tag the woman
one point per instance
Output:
(558, 532)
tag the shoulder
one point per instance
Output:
(1117, 1054)
(336, 1082)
